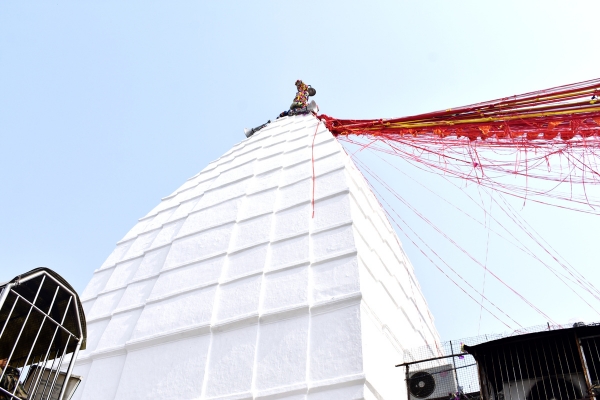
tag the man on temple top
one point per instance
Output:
(300, 104)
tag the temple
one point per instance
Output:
(231, 289)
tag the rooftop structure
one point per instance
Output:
(42, 328)
(560, 362)
(231, 289)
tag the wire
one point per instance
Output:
(457, 245)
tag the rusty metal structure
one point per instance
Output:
(42, 329)
(538, 363)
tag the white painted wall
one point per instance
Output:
(228, 289)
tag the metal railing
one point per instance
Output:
(41, 334)
(542, 362)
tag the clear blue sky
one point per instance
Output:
(107, 106)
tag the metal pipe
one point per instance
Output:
(4, 293)
(547, 364)
(598, 355)
(562, 371)
(521, 375)
(49, 317)
(38, 332)
(32, 347)
(539, 359)
(22, 327)
(483, 390)
(34, 385)
(40, 329)
(62, 357)
(32, 374)
(592, 357)
(494, 379)
(47, 379)
(69, 370)
(454, 364)
(43, 367)
(407, 381)
(8, 393)
(420, 361)
(8, 317)
(507, 374)
(40, 273)
(73, 294)
(570, 347)
(586, 374)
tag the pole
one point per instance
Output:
(454, 364)
(69, 370)
(4, 293)
(586, 373)
(407, 382)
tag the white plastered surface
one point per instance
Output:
(229, 289)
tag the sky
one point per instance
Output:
(108, 106)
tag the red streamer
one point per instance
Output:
(551, 135)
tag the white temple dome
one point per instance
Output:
(229, 289)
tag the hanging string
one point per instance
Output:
(312, 200)
(527, 135)
(439, 257)
(487, 248)
(453, 242)
(565, 111)
(513, 216)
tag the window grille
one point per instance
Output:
(42, 329)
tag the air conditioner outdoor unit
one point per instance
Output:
(432, 383)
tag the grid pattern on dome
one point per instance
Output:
(229, 289)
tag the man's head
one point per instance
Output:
(301, 86)
(3, 363)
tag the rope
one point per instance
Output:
(523, 135)
(312, 201)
